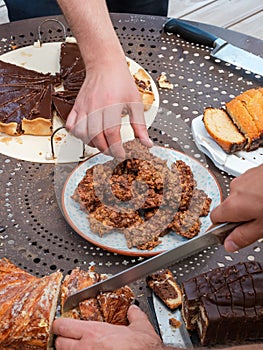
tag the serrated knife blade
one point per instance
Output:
(214, 236)
(221, 48)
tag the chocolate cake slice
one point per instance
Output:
(70, 59)
(225, 305)
(25, 100)
(38, 119)
(63, 102)
(12, 113)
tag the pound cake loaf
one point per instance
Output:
(225, 305)
(238, 126)
(245, 122)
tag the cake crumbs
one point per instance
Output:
(163, 82)
(174, 322)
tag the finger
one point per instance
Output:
(66, 344)
(232, 209)
(71, 119)
(95, 131)
(137, 317)
(80, 128)
(70, 328)
(243, 236)
(112, 127)
(137, 120)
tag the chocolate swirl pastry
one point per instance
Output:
(29, 305)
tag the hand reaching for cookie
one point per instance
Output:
(107, 91)
(109, 87)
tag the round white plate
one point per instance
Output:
(115, 241)
(234, 164)
(45, 59)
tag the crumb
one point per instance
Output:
(164, 82)
(174, 322)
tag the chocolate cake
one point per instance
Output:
(29, 99)
(25, 100)
(225, 305)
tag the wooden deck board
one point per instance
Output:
(240, 15)
(252, 25)
(180, 8)
(225, 13)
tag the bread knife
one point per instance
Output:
(214, 236)
(221, 48)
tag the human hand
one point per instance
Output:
(92, 335)
(108, 89)
(244, 203)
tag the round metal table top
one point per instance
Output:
(34, 233)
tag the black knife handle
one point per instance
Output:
(189, 32)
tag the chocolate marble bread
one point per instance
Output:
(225, 305)
(165, 287)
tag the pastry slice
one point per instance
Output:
(28, 307)
(108, 307)
(77, 280)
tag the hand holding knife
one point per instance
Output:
(221, 48)
(214, 236)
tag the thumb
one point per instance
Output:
(136, 314)
(243, 236)
(139, 320)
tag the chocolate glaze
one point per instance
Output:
(42, 107)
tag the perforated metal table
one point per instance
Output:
(34, 233)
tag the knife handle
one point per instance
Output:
(221, 231)
(189, 32)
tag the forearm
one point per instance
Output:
(91, 25)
